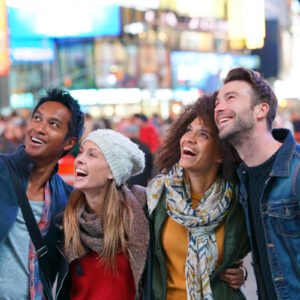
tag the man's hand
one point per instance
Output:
(235, 277)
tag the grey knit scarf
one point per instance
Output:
(92, 235)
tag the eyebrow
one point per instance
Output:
(226, 95)
(230, 93)
(55, 119)
(202, 129)
(205, 131)
(37, 112)
(50, 119)
(89, 149)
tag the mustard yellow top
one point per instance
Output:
(175, 243)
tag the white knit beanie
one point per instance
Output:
(123, 156)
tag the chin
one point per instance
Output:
(224, 134)
(77, 186)
(32, 154)
(184, 165)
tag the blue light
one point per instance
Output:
(83, 19)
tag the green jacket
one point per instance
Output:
(236, 246)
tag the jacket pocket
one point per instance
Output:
(285, 220)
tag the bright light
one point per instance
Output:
(134, 28)
(107, 96)
(164, 109)
(176, 108)
(150, 16)
(108, 110)
(111, 79)
(285, 89)
(246, 22)
(283, 103)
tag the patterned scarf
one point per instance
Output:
(200, 223)
(35, 284)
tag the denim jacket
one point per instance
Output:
(280, 213)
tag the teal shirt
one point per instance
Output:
(14, 257)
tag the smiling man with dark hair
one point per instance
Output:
(54, 128)
(269, 176)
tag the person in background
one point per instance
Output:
(132, 132)
(53, 130)
(13, 134)
(105, 226)
(6, 146)
(148, 133)
(198, 231)
(245, 110)
(164, 127)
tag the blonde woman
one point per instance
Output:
(105, 227)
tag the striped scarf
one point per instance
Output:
(200, 223)
(35, 284)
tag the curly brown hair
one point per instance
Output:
(169, 152)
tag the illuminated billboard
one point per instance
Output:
(204, 71)
(62, 18)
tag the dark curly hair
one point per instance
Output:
(262, 90)
(169, 152)
(64, 97)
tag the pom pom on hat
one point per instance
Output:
(124, 157)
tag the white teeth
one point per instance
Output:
(224, 120)
(81, 171)
(36, 140)
(188, 149)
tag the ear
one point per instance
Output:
(110, 175)
(70, 143)
(261, 110)
(219, 157)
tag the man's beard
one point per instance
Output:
(240, 132)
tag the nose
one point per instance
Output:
(219, 105)
(40, 127)
(191, 137)
(78, 159)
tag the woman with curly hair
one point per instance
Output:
(198, 230)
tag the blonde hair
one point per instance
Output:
(116, 217)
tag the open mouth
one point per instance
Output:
(81, 172)
(189, 152)
(37, 141)
(224, 120)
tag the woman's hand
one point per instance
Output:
(236, 276)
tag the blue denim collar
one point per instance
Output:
(281, 167)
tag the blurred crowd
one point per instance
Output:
(147, 132)
(12, 131)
